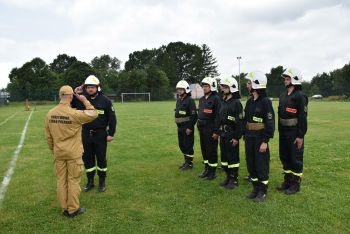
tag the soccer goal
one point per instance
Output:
(135, 97)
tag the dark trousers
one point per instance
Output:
(258, 164)
(186, 142)
(229, 153)
(290, 156)
(95, 147)
(209, 147)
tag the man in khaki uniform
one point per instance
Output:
(63, 135)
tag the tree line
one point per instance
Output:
(150, 70)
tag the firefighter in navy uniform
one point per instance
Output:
(292, 126)
(185, 118)
(231, 118)
(259, 127)
(96, 134)
(208, 125)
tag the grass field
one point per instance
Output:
(146, 193)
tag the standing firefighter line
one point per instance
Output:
(96, 134)
(208, 125)
(231, 118)
(292, 126)
(259, 127)
(185, 119)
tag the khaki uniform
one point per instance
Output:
(63, 135)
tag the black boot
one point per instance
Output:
(227, 176)
(101, 184)
(90, 184)
(285, 184)
(188, 164)
(205, 172)
(294, 186)
(211, 173)
(262, 193)
(233, 179)
(78, 212)
(180, 167)
(253, 193)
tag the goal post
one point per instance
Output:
(135, 94)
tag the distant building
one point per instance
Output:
(196, 91)
(4, 98)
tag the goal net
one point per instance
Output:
(136, 97)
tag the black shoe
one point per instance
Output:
(260, 197)
(262, 193)
(225, 182)
(285, 184)
(90, 185)
(210, 176)
(253, 193)
(78, 212)
(101, 185)
(180, 167)
(294, 185)
(232, 183)
(211, 173)
(65, 213)
(205, 172)
(187, 166)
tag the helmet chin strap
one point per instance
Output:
(288, 86)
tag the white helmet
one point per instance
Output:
(294, 74)
(211, 82)
(92, 80)
(258, 79)
(231, 82)
(182, 84)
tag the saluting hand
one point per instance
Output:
(109, 138)
(79, 89)
(81, 98)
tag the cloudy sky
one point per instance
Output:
(312, 35)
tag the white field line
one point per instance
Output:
(11, 169)
(5, 121)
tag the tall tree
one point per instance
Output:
(62, 63)
(209, 62)
(324, 84)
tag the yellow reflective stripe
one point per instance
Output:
(90, 169)
(254, 179)
(231, 118)
(256, 119)
(233, 165)
(287, 171)
(100, 112)
(182, 112)
(224, 163)
(213, 164)
(187, 155)
(265, 182)
(206, 161)
(101, 169)
(297, 174)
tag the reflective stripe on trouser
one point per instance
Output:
(95, 147)
(229, 153)
(186, 142)
(209, 147)
(291, 157)
(258, 164)
(68, 173)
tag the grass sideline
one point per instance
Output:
(147, 193)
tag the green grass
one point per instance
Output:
(147, 193)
